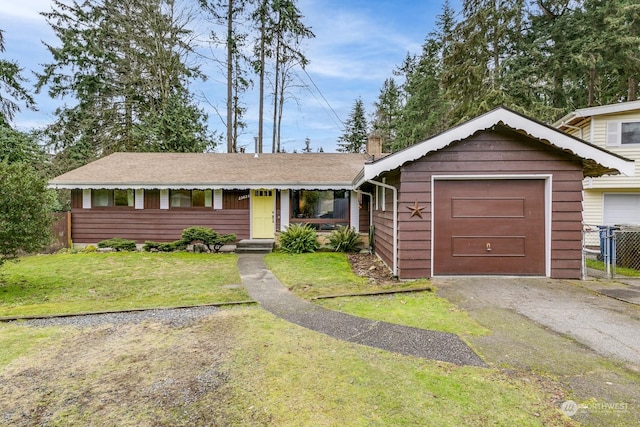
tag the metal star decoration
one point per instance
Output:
(416, 210)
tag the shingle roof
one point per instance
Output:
(216, 170)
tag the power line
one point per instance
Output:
(341, 124)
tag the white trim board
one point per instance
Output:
(510, 119)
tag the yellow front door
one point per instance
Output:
(263, 215)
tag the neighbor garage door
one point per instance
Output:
(489, 227)
(621, 209)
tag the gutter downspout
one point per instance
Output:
(395, 221)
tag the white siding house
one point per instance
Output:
(611, 199)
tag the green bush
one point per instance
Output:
(345, 239)
(298, 239)
(119, 244)
(89, 249)
(212, 239)
(177, 245)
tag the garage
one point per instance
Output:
(500, 194)
(489, 227)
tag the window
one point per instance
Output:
(630, 133)
(109, 198)
(323, 210)
(190, 198)
(622, 133)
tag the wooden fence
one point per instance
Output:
(61, 232)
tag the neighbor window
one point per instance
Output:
(323, 210)
(622, 133)
(190, 198)
(630, 133)
(108, 198)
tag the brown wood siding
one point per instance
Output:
(486, 153)
(152, 199)
(76, 199)
(92, 225)
(383, 221)
(235, 199)
(363, 223)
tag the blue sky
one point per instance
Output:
(358, 44)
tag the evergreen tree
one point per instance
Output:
(130, 69)
(354, 138)
(231, 15)
(387, 113)
(425, 110)
(12, 90)
(307, 145)
(474, 66)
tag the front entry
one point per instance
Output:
(487, 227)
(263, 208)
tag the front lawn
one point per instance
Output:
(323, 273)
(313, 275)
(245, 367)
(75, 283)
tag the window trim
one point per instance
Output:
(613, 133)
(208, 199)
(112, 199)
(317, 222)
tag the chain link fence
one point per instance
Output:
(615, 246)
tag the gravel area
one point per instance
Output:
(175, 317)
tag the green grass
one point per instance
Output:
(421, 310)
(289, 376)
(313, 275)
(72, 283)
(17, 340)
(623, 271)
(246, 367)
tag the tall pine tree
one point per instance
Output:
(354, 137)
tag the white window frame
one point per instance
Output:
(614, 133)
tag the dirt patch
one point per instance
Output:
(136, 374)
(370, 266)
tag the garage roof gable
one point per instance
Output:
(596, 161)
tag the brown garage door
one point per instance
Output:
(489, 227)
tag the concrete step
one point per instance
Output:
(255, 246)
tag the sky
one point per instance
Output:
(357, 46)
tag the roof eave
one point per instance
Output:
(510, 119)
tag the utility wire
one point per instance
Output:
(323, 97)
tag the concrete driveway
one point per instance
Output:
(578, 309)
(566, 332)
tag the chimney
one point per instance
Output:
(374, 146)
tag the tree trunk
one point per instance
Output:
(230, 121)
(275, 93)
(263, 18)
(592, 84)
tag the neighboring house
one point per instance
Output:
(506, 192)
(609, 200)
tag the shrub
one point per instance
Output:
(207, 236)
(177, 245)
(118, 244)
(89, 249)
(298, 239)
(345, 239)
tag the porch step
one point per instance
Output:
(255, 245)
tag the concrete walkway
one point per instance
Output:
(265, 288)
